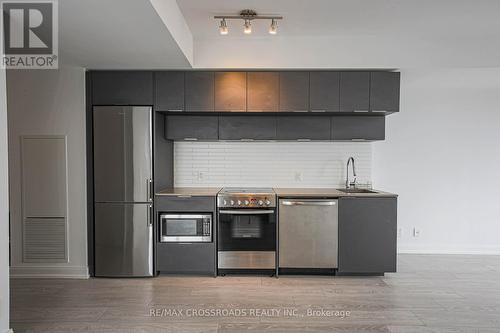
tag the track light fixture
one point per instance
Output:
(247, 16)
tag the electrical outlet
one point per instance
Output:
(416, 232)
(298, 176)
(400, 232)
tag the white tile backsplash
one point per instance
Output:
(276, 164)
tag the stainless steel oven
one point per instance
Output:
(187, 227)
(246, 229)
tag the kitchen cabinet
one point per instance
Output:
(247, 127)
(169, 91)
(325, 91)
(294, 91)
(184, 127)
(358, 127)
(367, 235)
(303, 127)
(199, 91)
(231, 91)
(263, 91)
(122, 88)
(354, 91)
(384, 91)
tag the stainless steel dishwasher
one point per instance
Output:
(308, 233)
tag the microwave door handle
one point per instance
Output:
(247, 212)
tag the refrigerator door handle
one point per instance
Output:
(148, 215)
(149, 191)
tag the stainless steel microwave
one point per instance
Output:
(180, 227)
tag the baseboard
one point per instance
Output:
(47, 271)
(447, 249)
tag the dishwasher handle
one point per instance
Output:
(309, 203)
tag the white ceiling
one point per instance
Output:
(156, 34)
(116, 34)
(341, 18)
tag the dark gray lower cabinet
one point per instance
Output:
(358, 127)
(247, 127)
(191, 127)
(367, 235)
(303, 127)
(185, 258)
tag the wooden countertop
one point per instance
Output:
(327, 192)
(190, 191)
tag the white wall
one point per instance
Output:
(4, 210)
(49, 102)
(275, 164)
(442, 156)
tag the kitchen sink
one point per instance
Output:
(355, 190)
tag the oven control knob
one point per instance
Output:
(232, 202)
(246, 202)
(261, 202)
(239, 202)
(268, 202)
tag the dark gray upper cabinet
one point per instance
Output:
(294, 91)
(191, 127)
(354, 91)
(247, 127)
(325, 91)
(199, 91)
(303, 127)
(263, 91)
(169, 91)
(231, 91)
(122, 88)
(358, 127)
(384, 91)
(367, 235)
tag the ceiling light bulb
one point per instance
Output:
(248, 27)
(273, 29)
(223, 30)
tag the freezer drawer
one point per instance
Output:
(123, 240)
(308, 233)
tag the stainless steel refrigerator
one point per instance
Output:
(123, 195)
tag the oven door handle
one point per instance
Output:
(247, 212)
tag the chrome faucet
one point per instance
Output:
(353, 183)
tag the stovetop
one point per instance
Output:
(246, 197)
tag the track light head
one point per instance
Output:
(273, 29)
(223, 30)
(247, 27)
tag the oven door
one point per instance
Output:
(186, 227)
(247, 230)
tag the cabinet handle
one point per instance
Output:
(359, 140)
(190, 139)
(318, 110)
(300, 111)
(184, 196)
(247, 140)
(303, 140)
(379, 111)
(175, 110)
(360, 110)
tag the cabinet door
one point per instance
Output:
(231, 91)
(303, 127)
(325, 91)
(191, 127)
(263, 91)
(384, 91)
(294, 91)
(199, 91)
(358, 128)
(169, 91)
(122, 88)
(354, 91)
(247, 127)
(367, 235)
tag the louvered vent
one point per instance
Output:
(45, 239)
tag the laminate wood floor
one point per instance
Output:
(430, 293)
